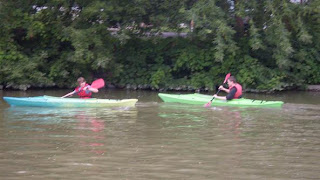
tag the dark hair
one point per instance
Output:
(233, 79)
(81, 80)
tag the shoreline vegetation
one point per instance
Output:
(160, 45)
(149, 87)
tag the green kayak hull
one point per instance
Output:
(50, 101)
(203, 99)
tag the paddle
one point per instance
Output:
(99, 83)
(225, 80)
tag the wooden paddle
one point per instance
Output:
(225, 80)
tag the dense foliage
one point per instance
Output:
(266, 44)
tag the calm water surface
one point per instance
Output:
(157, 140)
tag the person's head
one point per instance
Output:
(232, 80)
(81, 81)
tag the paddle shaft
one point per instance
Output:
(216, 94)
(225, 80)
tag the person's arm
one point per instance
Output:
(220, 97)
(224, 89)
(231, 94)
(95, 90)
(69, 94)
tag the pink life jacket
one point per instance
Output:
(83, 94)
(239, 90)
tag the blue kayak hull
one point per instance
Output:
(50, 101)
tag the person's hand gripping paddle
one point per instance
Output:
(225, 80)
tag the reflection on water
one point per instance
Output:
(64, 115)
(156, 140)
(86, 125)
(176, 115)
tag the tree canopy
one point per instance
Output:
(267, 44)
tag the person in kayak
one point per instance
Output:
(84, 90)
(234, 91)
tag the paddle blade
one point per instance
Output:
(99, 83)
(208, 104)
(226, 78)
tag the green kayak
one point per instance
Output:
(50, 101)
(203, 99)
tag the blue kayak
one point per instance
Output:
(50, 101)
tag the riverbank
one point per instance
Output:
(148, 87)
(313, 88)
(190, 88)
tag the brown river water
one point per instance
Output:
(157, 140)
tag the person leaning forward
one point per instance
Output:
(234, 91)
